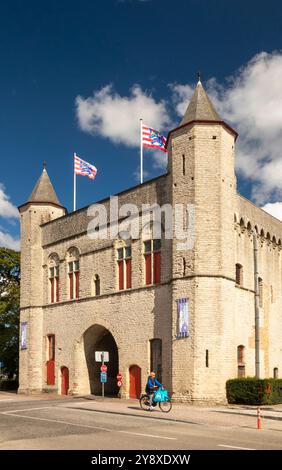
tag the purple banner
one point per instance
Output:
(182, 318)
(24, 335)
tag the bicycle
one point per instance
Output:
(165, 403)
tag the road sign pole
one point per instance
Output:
(103, 385)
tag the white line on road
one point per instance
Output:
(82, 425)
(235, 447)
(61, 422)
(26, 409)
(148, 435)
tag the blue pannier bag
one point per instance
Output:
(161, 395)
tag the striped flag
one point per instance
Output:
(84, 168)
(152, 138)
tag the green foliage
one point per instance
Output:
(9, 309)
(252, 391)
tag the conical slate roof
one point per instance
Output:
(200, 107)
(44, 191)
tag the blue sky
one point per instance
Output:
(131, 54)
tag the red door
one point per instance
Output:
(64, 380)
(51, 372)
(134, 381)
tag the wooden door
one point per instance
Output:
(134, 381)
(64, 380)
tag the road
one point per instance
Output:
(61, 424)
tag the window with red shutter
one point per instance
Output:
(128, 273)
(57, 289)
(52, 289)
(120, 275)
(148, 269)
(157, 267)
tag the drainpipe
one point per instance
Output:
(256, 276)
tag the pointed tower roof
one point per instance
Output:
(200, 107)
(44, 191)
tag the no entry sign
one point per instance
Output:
(104, 368)
(119, 384)
(119, 377)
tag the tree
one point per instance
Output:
(9, 309)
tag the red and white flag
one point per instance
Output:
(152, 138)
(84, 168)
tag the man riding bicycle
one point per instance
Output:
(152, 385)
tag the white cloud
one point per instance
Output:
(116, 117)
(251, 101)
(7, 241)
(7, 209)
(274, 209)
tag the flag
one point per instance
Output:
(83, 168)
(152, 138)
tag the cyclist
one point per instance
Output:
(152, 385)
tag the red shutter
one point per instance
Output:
(157, 267)
(51, 372)
(148, 274)
(77, 284)
(52, 290)
(128, 273)
(57, 289)
(71, 285)
(120, 275)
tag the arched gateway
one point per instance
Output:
(98, 338)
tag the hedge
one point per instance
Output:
(252, 391)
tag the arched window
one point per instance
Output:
(152, 257)
(239, 274)
(275, 373)
(73, 273)
(97, 285)
(53, 274)
(124, 266)
(241, 360)
(156, 357)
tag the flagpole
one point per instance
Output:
(141, 151)
(74, 184)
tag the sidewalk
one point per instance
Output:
(231, 415)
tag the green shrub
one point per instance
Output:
(252, 391)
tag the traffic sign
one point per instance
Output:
(119, 384)
(100, 355)
(103, 377)
(104, 368)
(119, 377)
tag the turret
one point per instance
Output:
(42, 206)
(201, 166)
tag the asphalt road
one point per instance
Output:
(56, 425)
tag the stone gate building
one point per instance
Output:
(80, 296)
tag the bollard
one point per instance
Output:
(258, 418)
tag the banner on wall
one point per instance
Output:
(24, 335)
(182, 318)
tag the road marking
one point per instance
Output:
(27, 409)
(84, 425)
(60, 422)
(148, 435)
(235, 447)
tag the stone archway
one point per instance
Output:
(98, 338)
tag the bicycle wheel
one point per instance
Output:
(145, 402)
(165, 406)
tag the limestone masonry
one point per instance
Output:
(80, 296)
